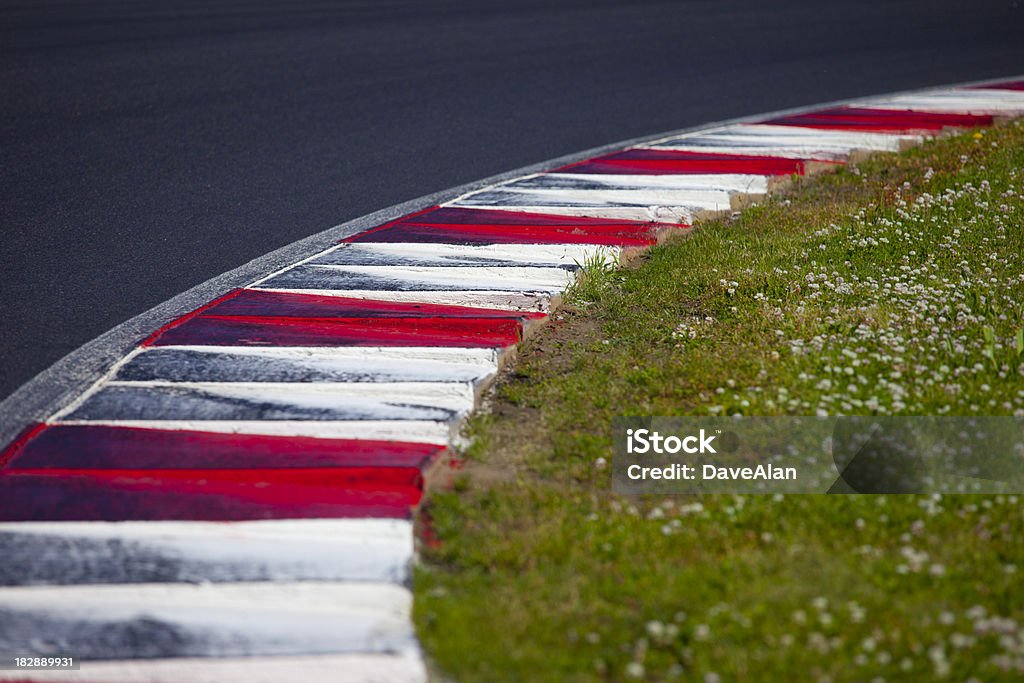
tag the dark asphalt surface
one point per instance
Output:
(148, 146)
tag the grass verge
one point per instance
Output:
(894, 287)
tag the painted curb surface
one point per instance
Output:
(233, 500)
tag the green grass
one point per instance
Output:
(893, 288)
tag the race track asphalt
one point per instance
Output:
(146, 147)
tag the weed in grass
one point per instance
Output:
(593, 277)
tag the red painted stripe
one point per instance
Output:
(254, 302)
(109, 447)
(852, 118)
(1006, 85)
(253, 317)
(322, 481)
(79, 497)
(14, 447)
(486, 234)
(267, 331)
(454, 215)
(481, 226)
(178, 321)
(677, 162)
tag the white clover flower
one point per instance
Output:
(655, 629)
(976, 612)
(635, 670)
(961, 641)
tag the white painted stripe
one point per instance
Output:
(451, 395)
(990, 90)
(643, 214)
(389, 531)
(825, 139)
(554, 196)
(436, 254)
(189, 552)
(992, 94)
(694, 200)
(418, 431)
(424, 278)
(354, 668)
(482, 358)
(669, 189)
(298, 364)
(230, 619)
(507, 301)
(956, 101)
(441, 401)
(477, 358)
(726, 182)
(803, 152)
(783, 141)
(384, 599)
